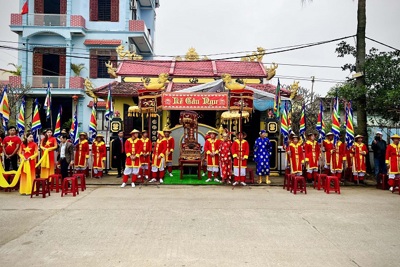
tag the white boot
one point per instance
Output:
(161, 181)
(133, 184)
(123, 185)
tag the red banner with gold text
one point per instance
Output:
(195, 101)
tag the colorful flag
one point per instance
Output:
(74, 130)
(109, 108)
(47, 101)
(93, 122)
(277, 102)
(321, 124)
(36, 125)
(5, 108)
(57, 130)
(21, 118)
(349, 125)
(335, 121)
(25, 9)
(285, 125)
(302, 130)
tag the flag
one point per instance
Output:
(21, 118)
(302, 129)
(93, 122)
(47, 101)
(349, 125)
(74, 130)
(109, 108)
(36, 125)
(285, 125)
(24, 9)
(57, 130)
(335, 121)
(5, 108)
(277, 102)
(321, 124)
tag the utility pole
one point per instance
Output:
(312, 88)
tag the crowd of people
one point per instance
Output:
(138, 158)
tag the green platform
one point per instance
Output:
(188, 179)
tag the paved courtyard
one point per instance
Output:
(201, 226)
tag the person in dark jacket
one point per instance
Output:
(379, 148)
(118, 153)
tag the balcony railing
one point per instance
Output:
(41, 81)
(140, 26)
(48, 20)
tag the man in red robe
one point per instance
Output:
(360, 151)
(170, 149)
(338, 157)
(81, 153)
(393, 160)
(296, 156)
(327, 149)
(158, 158)
(211, 148)
(133, 148)
(240, 152)
(225, 158)
(145, 155)
(312, 153)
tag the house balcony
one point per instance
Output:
(142, 38)
(75, 24)
(39, 81)
(58, 85)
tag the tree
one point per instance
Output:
(15, 95)
(379, 97)
(16, 72)
(360, 63)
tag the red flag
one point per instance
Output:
(24, 9)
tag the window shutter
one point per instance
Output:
(93, 64)
(94, 10)
(114, 10)
(63, 62)
(63, 6)
(39, 6)
(37, 63)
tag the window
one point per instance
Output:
(104, 10)
(100, 120)
(98, 58)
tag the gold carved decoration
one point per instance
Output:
(293, 89)
(122, 54)
(89, 89)
(271, 71)
(191, 55)
(110, 69)
(231, 84)
(157, 85)
(255, 56)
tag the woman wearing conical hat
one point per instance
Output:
(360, 151)
(296, 156)
(393, 160)
(133, 149)
(81, 153)
(170, 149)
(158, 158)
(327, 149)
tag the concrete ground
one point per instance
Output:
(201, 226)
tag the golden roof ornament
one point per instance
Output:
(89, 89)
(110, 69)
(191, 55)
(122, 54)
(231, 84)
(156, 85)
(293, 89)
(255, 56)
(271, 71)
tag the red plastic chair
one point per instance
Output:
(81, 180)
(336, 184)
(298, 183)
(249, 179)
(319, 181)
(70, 188)
(287, 181)
(55, 181)
(40, 186)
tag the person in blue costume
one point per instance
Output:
(262, 153)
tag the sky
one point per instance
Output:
(231, 26)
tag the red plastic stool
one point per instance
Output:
(9, 178)
(287, 181)
(55, 181)
(298, 183)
(249, 179)
(382, 182)
(81, 180)
(336, 184)
(74, 186)
(319, 181)
(42, 187)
